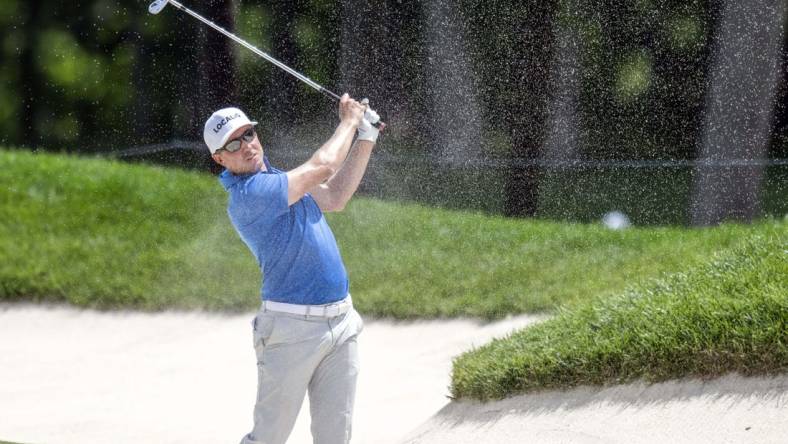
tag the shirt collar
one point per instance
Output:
(228, 178)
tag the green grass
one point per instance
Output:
(728, 315)
(411, 261)
(103, 234)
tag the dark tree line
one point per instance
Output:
(463, 81)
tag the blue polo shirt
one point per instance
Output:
(295, 248)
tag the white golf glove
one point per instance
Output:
(365, 129)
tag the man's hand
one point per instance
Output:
(350, 111)
(366, 130)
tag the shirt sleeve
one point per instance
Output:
(265, 196)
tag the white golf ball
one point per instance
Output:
(616, 220)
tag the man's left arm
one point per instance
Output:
(335, 193)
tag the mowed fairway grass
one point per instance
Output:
(104, 234)
(729, 314)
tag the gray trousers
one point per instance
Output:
(296, 354)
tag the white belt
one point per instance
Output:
(327, 311)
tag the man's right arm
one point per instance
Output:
(329, 158)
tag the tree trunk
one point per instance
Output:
(374, 53)
(142, 77)
(563, 123)
(30, 78)
(739, 110)
(217, 64)
(455, 116)
(524, 110)
(282, 86)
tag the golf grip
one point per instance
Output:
(380, 125)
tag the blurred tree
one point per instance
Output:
(105, 74)
(281, 89)
(143, 75)
(778, 146)
(454, 113)
(563, 124)
(739, 111)
(525, 114)
(318, 37)
(217, 62)
(30, 88)
(11, 20)
(644, 78)
(512, 53)
(381, 46)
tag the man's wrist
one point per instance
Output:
(362, 144)
(347, 125)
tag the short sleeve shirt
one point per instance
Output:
(294, 246)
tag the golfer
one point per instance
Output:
(305, 331)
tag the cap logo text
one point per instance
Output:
(225, 121)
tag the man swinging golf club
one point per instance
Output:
(305, 331)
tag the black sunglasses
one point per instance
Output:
(235, 144)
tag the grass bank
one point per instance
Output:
(728, 315)
(104, 234)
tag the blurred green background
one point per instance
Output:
(558, 109)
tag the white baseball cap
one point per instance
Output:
(221, 125)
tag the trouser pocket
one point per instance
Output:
(262, 329)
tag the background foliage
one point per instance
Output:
(105, 76)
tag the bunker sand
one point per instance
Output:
(731, 409)
(76, 376)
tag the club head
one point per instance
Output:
(157, 6)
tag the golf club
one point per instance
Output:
(158, 5)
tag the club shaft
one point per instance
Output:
(262, 54)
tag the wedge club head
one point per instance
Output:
(157, 6)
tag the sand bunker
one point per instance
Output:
(731, 409)
(75, 376)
